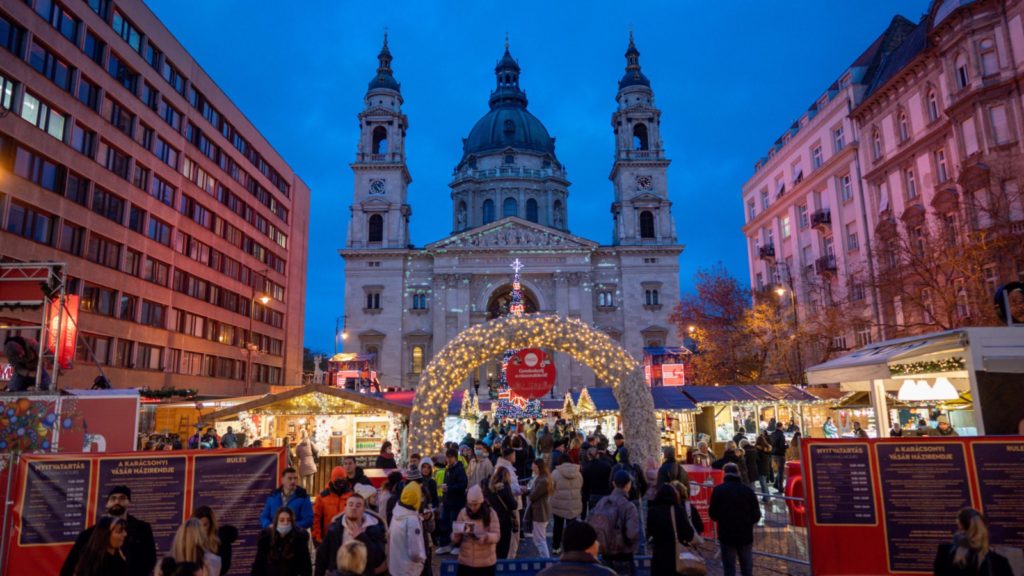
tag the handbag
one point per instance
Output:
(688, 561)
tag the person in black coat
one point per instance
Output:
(283, 548)
(750, 458)
(374, 536)
(386, 458)
(968, 554)
(499, 496)
(734, 507)
(659, 526)
(102, 553)
(139, 546)
(779, 446)
(597, 477)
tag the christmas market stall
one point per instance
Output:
(593, 407)
(675, 412)
(968, 377)
(353, 371)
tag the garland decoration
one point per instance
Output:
(164, 393)
(954, 364)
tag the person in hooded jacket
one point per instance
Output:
(282, 548)
(566, 504)
(665, 509)
(406, 551)
(330, 502)
(356, 523)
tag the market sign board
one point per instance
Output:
(902, 495)
(530, 373)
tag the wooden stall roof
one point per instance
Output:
(672, 399)
(327, 399)
(748, 393)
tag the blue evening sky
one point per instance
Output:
(729, 79)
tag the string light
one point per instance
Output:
(511, 405)
(484, 342)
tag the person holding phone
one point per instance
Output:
(477, 537)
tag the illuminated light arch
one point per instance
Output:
(485, 342)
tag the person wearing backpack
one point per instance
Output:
(617, 523)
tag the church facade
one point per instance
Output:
(509, 198)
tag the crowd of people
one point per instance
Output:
(476, 502)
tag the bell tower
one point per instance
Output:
(642, 212)
(380, 210)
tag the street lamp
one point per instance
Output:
(691, 328)
(781, 291)
(250, 344)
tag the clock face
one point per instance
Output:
(644, 183)
(376, 187)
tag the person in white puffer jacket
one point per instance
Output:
(566, 504)
(406, 551)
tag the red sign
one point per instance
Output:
(530, 373)
(900, 497)
(702, 482)
(673, 375)
(100, 421)
(63, 329)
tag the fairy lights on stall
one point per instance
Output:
(511, 405)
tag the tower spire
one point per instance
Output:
(384, 58)
(384, 78)
(633, 75)
(506, 73)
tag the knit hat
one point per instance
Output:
(339, 473)
(365, 490)
(474, 495)
(578, 536)
(413, 473)
(120, 490)
(411, 495)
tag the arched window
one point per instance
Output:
(372, 352)
(376, 228)
(488, 211)
(531, 210)
(933, 106)
(417, 359)
(876, 144)
(640, 137)
(380, 140)
(557, 218)
(509, 208)
(962, 76)
(904, 127)
(646, 224)
(989, 60)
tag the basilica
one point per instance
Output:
(509, 200)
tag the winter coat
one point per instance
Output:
(627, 516)
(385, 461)
(478, 552)
(764, 460)
(750, 463)
(513, 476)
(597, 477)
(778, 438)
(480, 469)
(328, 505)
(659, 528)
(993, 565)
(374, 536)
(298, 502)
(734, 507)
(577, 564)
(457, 482)
(282, 556)
(503, 503)
(406, 550)
(112, 565)
(306, 454)
(566, 502)
(227, 534)
(540, 501)
(545, 444)
(139, 548)
(671, 470)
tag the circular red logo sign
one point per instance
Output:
(530, 373)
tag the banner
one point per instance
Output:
(901, 496)
(58, 496)
(673, 375)
(99, 421)
(62, 332)
(702, 482)
(530, 373)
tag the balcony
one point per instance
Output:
(391, 158)
(825, 266)
(641, 155)
(766, 252)
(821, 220)
(505, 172)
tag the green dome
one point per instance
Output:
(508, 126)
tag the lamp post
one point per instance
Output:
(781, 291)
(344, 332)
(250, 345)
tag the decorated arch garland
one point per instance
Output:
(484, 342)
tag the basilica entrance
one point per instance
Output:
(486, 342)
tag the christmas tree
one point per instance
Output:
(511, 405)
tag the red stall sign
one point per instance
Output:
(63, 329)
(530, 373)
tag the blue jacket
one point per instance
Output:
(298, 502)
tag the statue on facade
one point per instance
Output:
(318, 373)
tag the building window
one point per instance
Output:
(851, 237)
(933, 106)
(509, 208)
(42, 116)
(127, 31)
(123, 73)
(963, 308)
(962, 76)
(152, 314)
(989, 60)
(650, 260)
(98, 300)
(510, 159)
(104, 251)
(159, 230)
(39, 170)
(845, 188)
(419, 301)
(838, 139)
(941, 171)
(928, 312)
(99, 345)
(380, 140)
(640, 137)
(876, 144)
(162, 191)
(88, 93)
(417, 359)
(44, 62)
(531, 210)
(373, 300)
(11, 36)
(651, 297)
(785, 227)
(605, 299)
(764, 200)
(911, 183)
(751, 210)
(166, 153)
(802, 215)
(646, 224)
(72, 238)
(132, 262)
(128, 307)
(856, 291)
(108, 205)
(862, 333)
(157, 272)
(991, 278)
(817, 159)
(488, 211)
(117, 162)
(150, 357)
(1000, 125)
(125, 353)
(376, 228)
(904, 124)
(83, 140)
(28, 223)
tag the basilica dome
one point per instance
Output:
(508, 125)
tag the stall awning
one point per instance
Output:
(593, 400)
(311, 399)
(666, 350)
(872, 361)
(672, 399)
(748, 393)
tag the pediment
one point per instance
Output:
(375, 203)
(647, 197)
(512, 232)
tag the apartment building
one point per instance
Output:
(184, 232)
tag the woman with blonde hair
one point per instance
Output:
(218, 538)
(190, 546)
(351, 559)
(969, 553)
